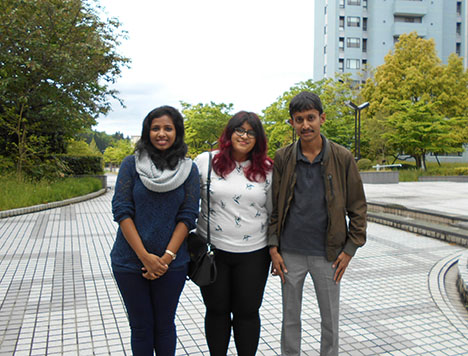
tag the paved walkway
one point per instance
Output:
(58, 296)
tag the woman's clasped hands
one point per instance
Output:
(153, 266)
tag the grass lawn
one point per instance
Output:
(17, 194)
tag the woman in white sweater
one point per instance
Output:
(240, 204)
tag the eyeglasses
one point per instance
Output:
(240, 131)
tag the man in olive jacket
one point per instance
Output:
(316, 187)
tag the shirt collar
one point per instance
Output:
(301, 157)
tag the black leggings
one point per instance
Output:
(238, 290)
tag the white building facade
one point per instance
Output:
(352, 35)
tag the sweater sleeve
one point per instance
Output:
(122, 203)
(188, 211)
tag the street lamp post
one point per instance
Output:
(357, 127)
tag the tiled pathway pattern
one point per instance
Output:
(58, 296)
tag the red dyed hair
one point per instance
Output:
(260, 163)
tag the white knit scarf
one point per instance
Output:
(158, 180)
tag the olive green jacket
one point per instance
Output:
(344, 195)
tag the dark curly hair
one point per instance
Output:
(261, 164)
(170, 157)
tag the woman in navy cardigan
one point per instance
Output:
(155, 203)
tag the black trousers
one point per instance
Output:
(238, 291)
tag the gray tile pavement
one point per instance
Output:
(446, 197)
(58, 297)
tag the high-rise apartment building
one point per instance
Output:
(352, 35)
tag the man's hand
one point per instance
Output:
(278, 267)
(341, 264)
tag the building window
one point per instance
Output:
(458, 49)
(364, 62)
(341, 23)
(354, 2)
(364, 44)
(353, 64)
(341, 65)
(364, 4)
(409, 19)
(354, 21)
(459, 28)
(353, 42)
(459, 8)
(364, 23)
(325, 10)
(341, 43)
(325, 50)
(342, 4)
(324, 30)
(324, 69)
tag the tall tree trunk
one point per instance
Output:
(418, 161)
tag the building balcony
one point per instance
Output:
(400, 28)
(409, 8)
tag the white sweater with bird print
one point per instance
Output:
(240, 209)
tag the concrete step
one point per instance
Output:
(447, 227)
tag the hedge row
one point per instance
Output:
(81, 165)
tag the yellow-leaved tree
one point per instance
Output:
(419, 104)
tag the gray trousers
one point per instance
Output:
(328, 298)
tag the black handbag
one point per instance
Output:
(202, 266)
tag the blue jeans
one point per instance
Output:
(151, 308)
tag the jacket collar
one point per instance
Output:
(326, 149)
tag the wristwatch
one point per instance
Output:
(172, 254)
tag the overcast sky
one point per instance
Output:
(244, 52)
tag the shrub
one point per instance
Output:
(461, 171)
(6, 164)
(364, 164)
(82, 165)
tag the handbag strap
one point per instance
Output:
(208, 184)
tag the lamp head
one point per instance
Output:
(351, 105)
(363, 105)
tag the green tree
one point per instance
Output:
(339, 125)
(204, 124)
(419, 104)
(417, 129)
(114, 155)
(79, 148)
(57, 61)
(94, 148)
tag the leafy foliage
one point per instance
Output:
(57, 61)
(82, 165)
(417, 104)
(204, 123)
(80, 148)
(339, 125)
(115, 154)
(100, 138)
